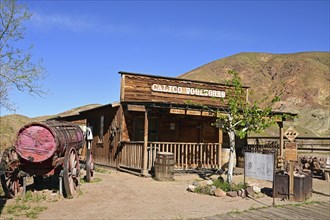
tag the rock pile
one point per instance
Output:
(208, 187)
(312, 163)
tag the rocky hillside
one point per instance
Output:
(302, 80)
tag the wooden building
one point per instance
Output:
(159, 114)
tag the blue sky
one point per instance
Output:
(83, 44)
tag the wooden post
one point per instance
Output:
(220, 147)
(281, 157)
(122, 86)
(145, 144)
(291, 181)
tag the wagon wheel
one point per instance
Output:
(10, 180)
(89, 167)
(71, 169)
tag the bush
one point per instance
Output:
(226, 187)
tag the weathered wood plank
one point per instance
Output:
(172, 90)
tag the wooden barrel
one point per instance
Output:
(225, 158)
(164, 166)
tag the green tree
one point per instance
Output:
(241, 117)
(17, 68)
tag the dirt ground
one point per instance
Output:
(121, 195)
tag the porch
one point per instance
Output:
(187, 156)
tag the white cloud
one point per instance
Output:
(83, 24)
(62, 22)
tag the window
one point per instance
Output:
(139, 129)
(101, 129)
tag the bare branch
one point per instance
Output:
(18, 69)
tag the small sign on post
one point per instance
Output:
(291, 134)
(290, 151)
(291, 157)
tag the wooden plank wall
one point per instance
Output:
(105, 151)
(138, 88)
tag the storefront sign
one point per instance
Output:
(188, 91)
(137, 108)
(193, 112)
(211, 114)
(177, 111)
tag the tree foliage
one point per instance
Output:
(242, 117)
(18, 70)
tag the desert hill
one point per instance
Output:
(302, 80)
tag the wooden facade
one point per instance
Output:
(159, 114)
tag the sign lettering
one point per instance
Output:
(188, 91)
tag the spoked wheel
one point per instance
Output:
(71, 169)
(10, 179)
(89, 167)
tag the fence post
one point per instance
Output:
(145, 144)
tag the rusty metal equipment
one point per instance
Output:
(302, 183)
(44, 149)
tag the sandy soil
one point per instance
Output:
(121, 195)
(124, 196)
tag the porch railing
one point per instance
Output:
(186, 155)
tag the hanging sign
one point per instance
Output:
(193, 112)
(291, 134)
(177, 111)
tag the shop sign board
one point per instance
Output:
(259, 166)
(290, 151)
(193, 112)
(177, 111)
(187, 90)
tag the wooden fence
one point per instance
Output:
(205, 155)
(305, 144)
(186, 155)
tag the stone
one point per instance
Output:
(232, 193)
(195, 183)
(206, 190)
(205, 183)
(239, 193)
(191, 188)
(250, 192)
(209, 182)
(219, 193)
(256, 189)
(243, 193)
